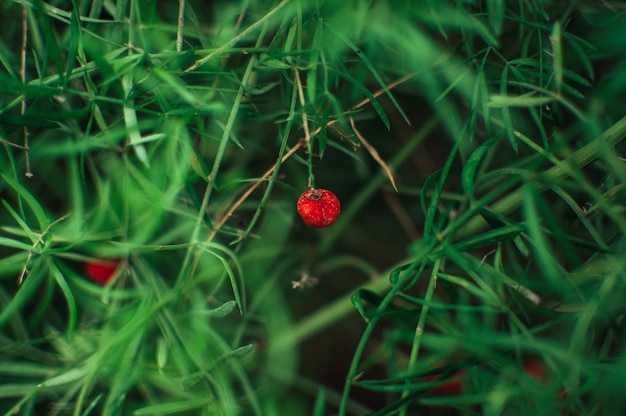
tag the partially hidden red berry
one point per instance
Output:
(536, 370)
(318, 208)
(101, 270)
(451, 387)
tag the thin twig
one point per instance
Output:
(24, 272)
(382, 91)
(305, 125)
(8, 143)
(240, 18)
(251, 189)
(181, 25)
(374, 154)
(29, 173)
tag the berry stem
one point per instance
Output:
(307, 133)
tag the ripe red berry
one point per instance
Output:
(318, 208)
(101, 270)
(451, 387)
(535, 369)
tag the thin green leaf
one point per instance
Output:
(371, 68)
(212, 248)
(567, 73)
(69, 376)
(223, 310)
(581, 55)
(130, 119)
(30, 200)
(426, 189)
(537, 237)
(177, 86)
(508, 232)
(320, 402)
(358, 304)
(52, 51)
(6, 61)
(311, 74)
(26, 291)
(26, 369)
(175, 407)
(74, 39)
(8, 242)
(558, 97)
(525, 100)
(373, 100)
(506, 114)
(13, 263)
(69, 298)
(468, 177)
(16, 390)
(480, 93)
(433, 205)
(451, 86)
(241, 351)
(269, 62)
(495, 13)
(233, 137)
(557, 55)
(127, 372)
(483, 31)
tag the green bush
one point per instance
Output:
(478, 264)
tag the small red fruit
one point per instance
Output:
(101, 270)
(318, 208)
(535, 369)
(451, 387)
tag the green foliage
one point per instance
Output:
(175, 140)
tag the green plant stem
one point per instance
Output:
(185, 274)
(307, 133)
(419, 330)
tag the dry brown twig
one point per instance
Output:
(305, 121)
(24, 271)
(375, 155)
(181, 25)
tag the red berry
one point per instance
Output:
(451, 387)
(318, 208)
(101, 270)
(535, 369)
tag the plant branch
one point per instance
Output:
(29, 173)
(374, 154)
(305, 126)
(301, 142)
(181, 25)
